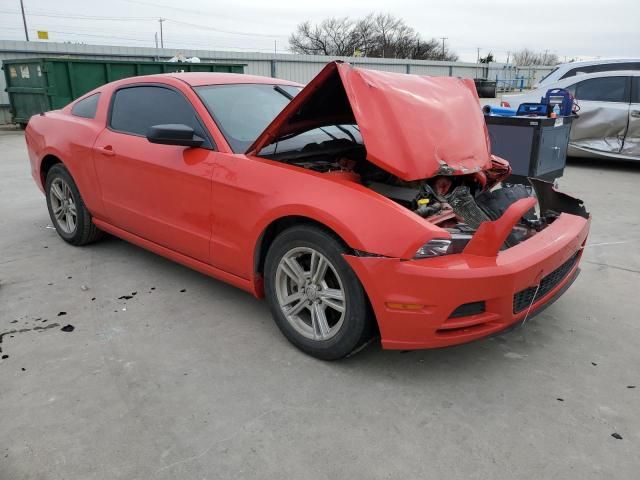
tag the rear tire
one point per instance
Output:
(67, 210)
(315, 298)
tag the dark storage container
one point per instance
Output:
(534, 146)
(36, 85)
(486, 88)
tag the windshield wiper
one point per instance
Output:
(282, 91)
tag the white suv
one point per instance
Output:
(572, 69)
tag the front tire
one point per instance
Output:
(67, 210)
(315, 297)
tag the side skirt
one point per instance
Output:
(192, 263)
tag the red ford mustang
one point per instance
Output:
(366, 202)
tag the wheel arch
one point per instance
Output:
(273, 229)
(48, 161)
(278, 225)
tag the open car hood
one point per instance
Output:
(412, 126)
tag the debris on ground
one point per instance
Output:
(514, 355)
(125, 297)
(631, 386)
(68, 328)
(617, 436)
(4, 357)
(594, 364)
(84, 288)
(183, 290)
(60, 314)
(560, 399)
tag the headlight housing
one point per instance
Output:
(443, 246)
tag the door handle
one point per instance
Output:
(635, 113)
(106, 150)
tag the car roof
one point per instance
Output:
(609, 73)
(598, 61)
(197, 79)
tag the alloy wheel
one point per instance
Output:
(310, 293)
(63, 206)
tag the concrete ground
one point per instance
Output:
(190, 378)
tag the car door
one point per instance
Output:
(161, 193)
(603, 116)
(631, 146)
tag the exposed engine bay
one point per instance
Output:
(456, 203)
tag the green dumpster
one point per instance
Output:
(36, 85)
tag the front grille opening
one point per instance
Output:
(524, 298)
(468, 309)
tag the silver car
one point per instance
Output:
(608, 123)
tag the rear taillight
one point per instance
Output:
(504, 103)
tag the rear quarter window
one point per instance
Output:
(86, 107)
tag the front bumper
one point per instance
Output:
(413, 300)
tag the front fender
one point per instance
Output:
(364, 219)
(250, 193)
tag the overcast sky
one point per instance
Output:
(572, 28)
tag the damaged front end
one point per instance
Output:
(421, 142)
(481, 214)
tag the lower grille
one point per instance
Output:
(468, 309)
(524, 298)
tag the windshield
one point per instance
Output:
(243, 111)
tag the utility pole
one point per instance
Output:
(478, 56)
(156, 38)
(161, 36)
(443, 39)
(24, 21)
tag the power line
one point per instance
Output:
(179, 22)
(45, 14)
(180, 43)
(230, 32)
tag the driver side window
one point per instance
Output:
(605, 89)
(135, 109)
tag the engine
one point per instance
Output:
(457, 203)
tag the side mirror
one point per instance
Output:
(174, 134)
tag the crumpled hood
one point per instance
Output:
(412, 126)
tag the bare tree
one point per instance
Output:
(488, 59)
(332, 36)
(379, 35)
(529, 57)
